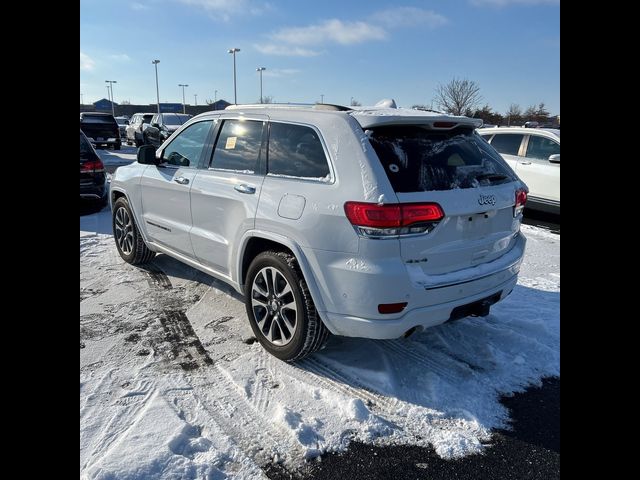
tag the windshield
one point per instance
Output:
(175, 119)
(417, 159)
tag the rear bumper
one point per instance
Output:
(351, 296)
(95, 192)
(425, 317)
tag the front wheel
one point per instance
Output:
(129, 242)
(281, 311)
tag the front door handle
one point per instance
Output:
(181, 180)
(525, 163)
(244, 188)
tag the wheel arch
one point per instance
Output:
(117, 192)
(255, 242)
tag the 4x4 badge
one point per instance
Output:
(487, 199)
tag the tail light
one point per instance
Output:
(374, 220)
(521, 199)
(95, 166)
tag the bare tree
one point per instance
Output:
(458, 96)
(530, 113)
(355, 103)
(514, 114)
(267, 99)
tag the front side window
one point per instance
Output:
(418, 159)
(238, 146)
(186, 148)
(507, 143)
(542, 147)
(147, 118)
(296, 151)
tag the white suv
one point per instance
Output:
(534, 154)
(375, 222)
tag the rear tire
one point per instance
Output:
(281, 311)
(129, 242)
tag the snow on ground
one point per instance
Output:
(172, 386)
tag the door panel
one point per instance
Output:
(541, 176)
(166, 202)
(166, 206)
(224, 195)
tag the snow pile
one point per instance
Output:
(172, 385)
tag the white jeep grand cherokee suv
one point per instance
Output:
(374, 222)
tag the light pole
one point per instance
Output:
(156, 62)
(322, 98)
(184, 108)
(195, 95)
(260, 69)
(111, 82)
(81, 99)
(235, 93)
(215, 96)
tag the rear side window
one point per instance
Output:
(296, 151)
(185, 149)
(417, 159)
(238, 146)
(507, 143)
(85, 147)
(541, 147)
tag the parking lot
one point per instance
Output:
(172, 382)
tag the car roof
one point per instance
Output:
(101, 114)
(534, 131)
(367, 117)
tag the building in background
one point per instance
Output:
(104, 105)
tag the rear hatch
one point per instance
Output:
(445, 162)
(100, 127)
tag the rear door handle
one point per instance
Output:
(244, 188)
(181, 180)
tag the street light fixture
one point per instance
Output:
(184, 108)
(260, 69)
(235, 93)
(111, 82)
(156, 62)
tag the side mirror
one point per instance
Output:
(147, 155)
(555, 158)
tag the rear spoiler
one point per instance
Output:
(371, 118)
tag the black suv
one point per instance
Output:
(93, 179)
(101, 129)
(162, 126)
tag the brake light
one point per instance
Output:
(521, 199)
(374, 220)
(95, 166)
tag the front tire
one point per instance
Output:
(281, 311)
(129, 242)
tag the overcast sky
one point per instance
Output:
(367, 50)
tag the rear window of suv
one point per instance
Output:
(417, 159)
(98, 119)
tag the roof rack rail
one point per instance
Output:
(314, 106)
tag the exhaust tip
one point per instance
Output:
(412, 330)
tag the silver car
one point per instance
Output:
(376, 222)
